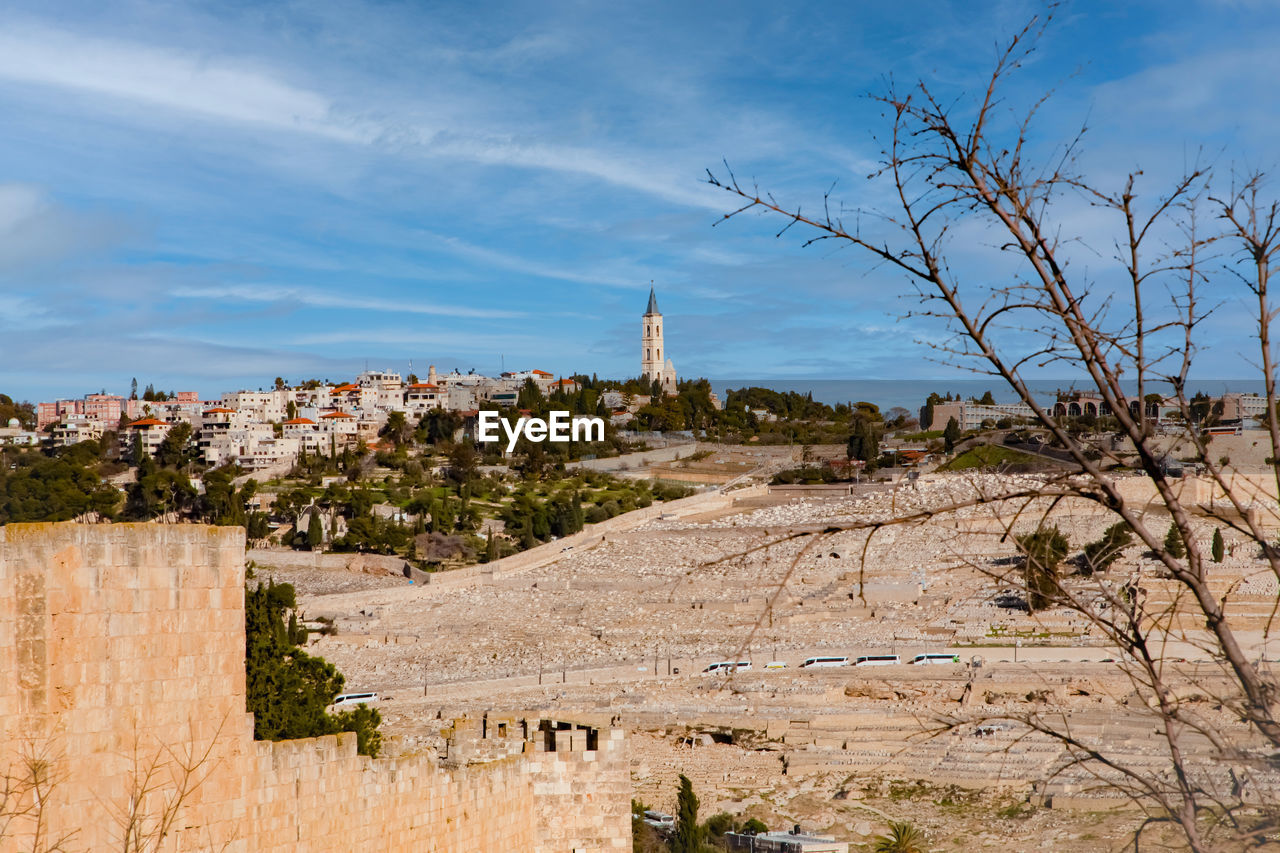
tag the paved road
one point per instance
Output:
(662, 667)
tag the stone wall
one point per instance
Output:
(122, 681)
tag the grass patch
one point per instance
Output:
(992, 456)
(920, 436)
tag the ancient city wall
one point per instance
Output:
(122, 692)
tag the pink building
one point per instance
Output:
(105, 408)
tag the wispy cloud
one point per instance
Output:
(498, 259)
(227, 89)
(319, 299)
(213, 87)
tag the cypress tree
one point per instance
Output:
(951, 435)
(1173, 542)
(688, 837)
(1217, 547)
(315, 532)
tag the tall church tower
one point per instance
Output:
(652, 362)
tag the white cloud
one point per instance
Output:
(215, 88)
(506, 261)
(243, 92)
(319, 299)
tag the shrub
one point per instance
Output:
(1044, 550)
(1098, 556)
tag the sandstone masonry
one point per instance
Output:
(122, 692)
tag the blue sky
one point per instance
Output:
(206, 196)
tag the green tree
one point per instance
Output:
(1173, 542)
(287, 690)
(951, 435)
(1099, 555)
(901, 838)
(1044, 550)
(1217, 548)
(397, 429)
(987, 400)
(689, 834)
(315, 532)
(173, 451)
(864, 442)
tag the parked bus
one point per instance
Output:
(877, 660)
(728, 666)
(824, 661)
(935, 657)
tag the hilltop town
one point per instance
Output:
(620, 585)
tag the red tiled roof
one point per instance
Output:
(219, 411)
(147, 422)
(542, 373)
(338, 415)
(424, 385)
(300, 421)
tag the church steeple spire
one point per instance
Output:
(653, 303)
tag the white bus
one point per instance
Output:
(877, 660)
(728, 666)
(354, 699)
(824, 661)
(935, 657)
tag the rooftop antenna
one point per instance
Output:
(502, 360)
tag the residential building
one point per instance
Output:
(422, 397)
(74, 430)
(149, 431)
(305, 432)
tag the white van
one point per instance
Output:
(935, 657)
(877, 660)
(344, 699)
(728, 666)
(824, 661)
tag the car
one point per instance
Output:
(776, 664)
